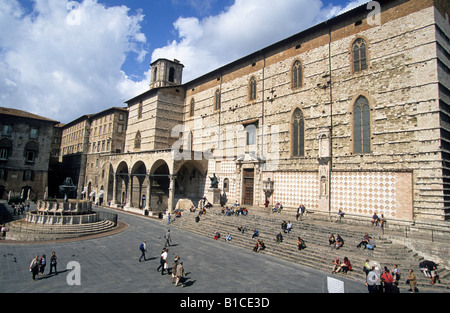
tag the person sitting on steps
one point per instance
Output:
(331, 240)
(339, 242)
(279, 237)
(301, 243)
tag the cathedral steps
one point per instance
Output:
(318, 254)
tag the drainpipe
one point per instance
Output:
(331, 117)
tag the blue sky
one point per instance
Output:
(62, 59)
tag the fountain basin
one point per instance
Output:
(63, 212)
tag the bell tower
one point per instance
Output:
(166, 73)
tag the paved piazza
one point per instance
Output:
(110, 265)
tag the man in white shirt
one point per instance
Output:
(289, 227)
(163, 261)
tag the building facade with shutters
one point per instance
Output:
(349, 114)
(25, 150)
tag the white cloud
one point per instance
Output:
(64, 59)
(244, 27)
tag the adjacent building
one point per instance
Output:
(25, 151)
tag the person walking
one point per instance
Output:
(42, 264)
(34, 266)
(180, 275)
(163, 261)
(143, 248)
(53, 263)
(174, 269)
(412, 281)
(168, 239)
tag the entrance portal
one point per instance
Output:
(249, 178)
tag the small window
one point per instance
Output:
(7, 129)
(3, 154)
(27, 175)
(33, 133)
(31, 152)
(252, 89)
(217, 100)
(140, 110)
(226, 185)
(250, 131)
(3, 174)
(155, 74)
(297, 74)
(191, 108)
(137, 140)
(171, 75)
(359, 53)
(5, 148)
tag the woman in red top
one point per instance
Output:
(346, 266)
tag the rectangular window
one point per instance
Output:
(33, 133)
(2, 173)
(30, 156)
(7, 130)
(250, 134)
(28, 175)
(3, 154)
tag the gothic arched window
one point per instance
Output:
(217, 100)
(140, 110)
(359, 54)
(137, 140)
(361, 126)
(191, 107)
(171, 75)
(298, 133)
(297, 74)
(252, 89)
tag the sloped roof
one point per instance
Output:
(24, 114)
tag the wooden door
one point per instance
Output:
(248, 184)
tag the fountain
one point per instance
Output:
(67, 187)
(62, 218)
(63, 211)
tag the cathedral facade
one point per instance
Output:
(350, 114)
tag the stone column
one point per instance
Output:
(114, 197)
(171, 193)
(129, 191)
(148, 196)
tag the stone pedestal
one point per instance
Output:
(213, 195)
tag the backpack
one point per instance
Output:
(141, 246)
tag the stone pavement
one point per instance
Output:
(110, 265)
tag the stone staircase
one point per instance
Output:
(318, 253)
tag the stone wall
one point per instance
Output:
(402, 176)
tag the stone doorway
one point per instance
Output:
(248, 186)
